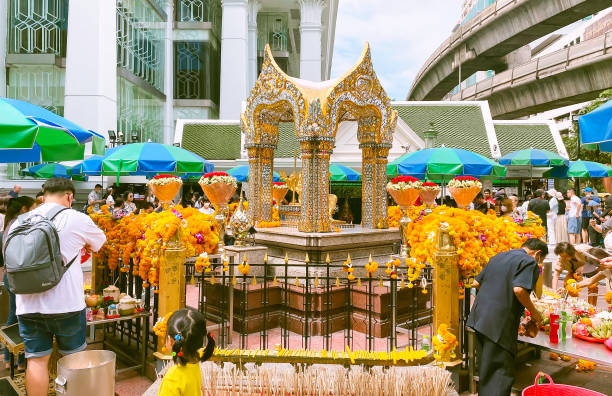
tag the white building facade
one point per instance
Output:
(134, 67)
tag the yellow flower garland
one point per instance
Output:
(444, 343)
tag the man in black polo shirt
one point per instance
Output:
(539, 205)
(503, 287)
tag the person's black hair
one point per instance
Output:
(98, 185)
(58, 185)
(539, 192)
(536, 244)
(487, 190)
(480, 195)
(187, 327)
(14, 207)
(118, 202)
(565, 247)
(126, 194)
(148, 205)
(39, 194)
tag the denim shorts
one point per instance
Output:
(573, 225)
(37, 331)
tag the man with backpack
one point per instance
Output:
(42, 254)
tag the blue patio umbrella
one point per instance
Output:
(47, 171)
(581, 169)
(241, 173)
(91, 166)
(533, 157)
(596, 127)
(50, 137)
(343, 173)
(443, 163)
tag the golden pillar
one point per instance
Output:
(314, 216)
(261, 165)
(446, 282)
(171, 279)
(374, 174)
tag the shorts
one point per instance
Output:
(37, 331)
(573, 225)
(585, 222)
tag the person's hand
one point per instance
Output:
(537, 317)
(606, 262)
(560, 291)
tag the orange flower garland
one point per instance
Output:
(144, 238)
(477, 236)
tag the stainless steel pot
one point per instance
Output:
(86, 373)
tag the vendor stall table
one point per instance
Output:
(144, 329)
(573, 347)
(9, 336)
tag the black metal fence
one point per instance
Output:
(318, 308)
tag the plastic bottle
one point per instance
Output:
(425, 343)
(568, 327)
(553, 335)
(562, 326)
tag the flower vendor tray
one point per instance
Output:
(590, 339)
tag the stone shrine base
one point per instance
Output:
(250, 314)
(359, 242)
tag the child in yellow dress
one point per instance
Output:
(185, 337)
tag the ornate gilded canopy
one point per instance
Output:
(317, 108)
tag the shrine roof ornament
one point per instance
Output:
(278, 97)
(316, 109)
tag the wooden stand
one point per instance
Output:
(171, 280)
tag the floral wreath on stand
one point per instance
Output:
(162, 180)
(464, 182)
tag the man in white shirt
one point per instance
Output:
(59, 311)
(574, 211)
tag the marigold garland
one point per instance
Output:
(161, 326)
(444, 343)
(477, 236)
(144, 238)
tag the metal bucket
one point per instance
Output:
(86, 373)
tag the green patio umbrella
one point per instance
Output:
(31, 133)
(533, 157)
(151, 158)
(343, 173)
(581, 169)
(47, 171)
(444, 163)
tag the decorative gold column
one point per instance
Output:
(446, 282)
(374, 176)
(171, 280)
(316, 152)
(261, 165)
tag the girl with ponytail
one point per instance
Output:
(186, 331)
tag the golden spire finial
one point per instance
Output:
(327, 260)
(266, 258)
(307, 259)
(370, 258)
(286, 258)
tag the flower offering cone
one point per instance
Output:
(218, 193)
(404, 198)
(279, 193)
(464, 196)
(165, 193)
(429, 198)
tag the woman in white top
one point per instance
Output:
(110, 199)
(129, 206)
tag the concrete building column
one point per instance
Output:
(233, 58)
(3, 41)
(169, 75)
(90, 96)
(310, 36)
(253, 10)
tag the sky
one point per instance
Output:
(402, 34)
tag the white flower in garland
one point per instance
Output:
(464, 182)
(218, 177)
(404, 183)
(163, 180)
(279, 186)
